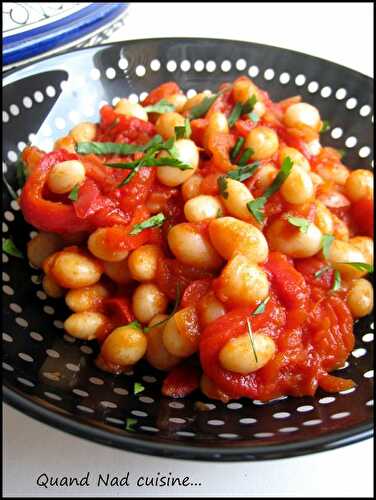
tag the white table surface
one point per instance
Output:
(341, 32)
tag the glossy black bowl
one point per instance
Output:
(51, 376)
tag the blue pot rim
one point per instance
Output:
(57, 34)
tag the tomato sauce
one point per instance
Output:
(309, 322)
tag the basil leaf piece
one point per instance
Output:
(109, 148)
(250, 334)
(135, 324)
(137, 388)
(202, 108)
(245, 157)
(160, 107)
(256, 207)
(282, 175)
(337, 281)
(361, 266)
(325, 126)
(326, 242)
(21, 173)
(129, 423)
(155, 221)
(127, 179)
(183, 132)
(261, 307)
(222, 186)
(300, 222)
(10, 248)
(151, 162)
(249, 105)
(73, 195)
(243, 173)
(236, 149)
(235, 114)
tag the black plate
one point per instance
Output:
(51, 376)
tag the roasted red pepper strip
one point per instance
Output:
(290, 286)
(43, 214)
(362, 215)
(119, 310)
(195, 292)
(231, 325)
(165, 90)
(181, 381)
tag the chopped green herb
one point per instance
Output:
(361, 266)
(256, 207)
(135, 324)
(137, 388)
(282, 175)
(250, 333)
(219, 213)
(342, 152)
(222, 186)
(243, 109)
(154, 221)
(160, 107)
(243, 173)
(130, 422)
(254, 116)
(10, 248)
(236, 149)
(249, 105)
(321, 271)
(235, 114)
(245, 157)
(326, 242)
(21, 173)
(300, 222)
(151, 162)
(325, 126)
(175, 308)
(337, 281)
(202, 108)
(183, 132)
(73, 195)
(110, 148)
(261, 307)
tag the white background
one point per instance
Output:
(340, 32)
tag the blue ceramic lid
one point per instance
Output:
(31, 30)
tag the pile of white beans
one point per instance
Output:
(234, 249)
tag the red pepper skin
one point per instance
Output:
(363, 216)
(194, 292)
(119, 310)
(165, 90)
(290, 286)
(181, 381)
(48, 215)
